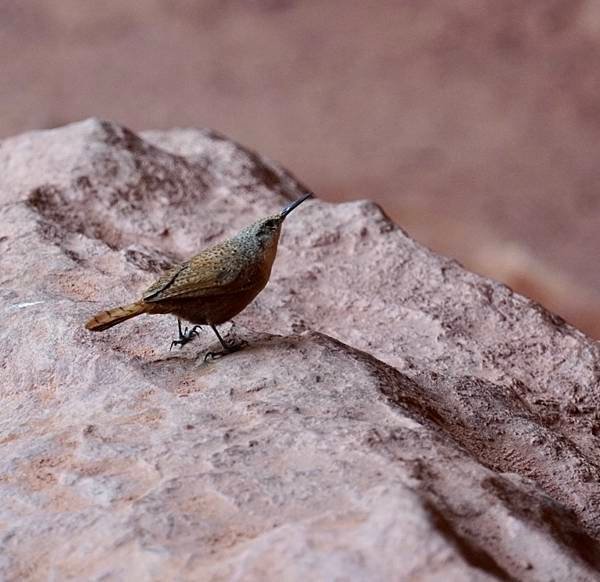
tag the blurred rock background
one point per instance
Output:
(475, 123)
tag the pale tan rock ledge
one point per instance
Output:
(393, 416)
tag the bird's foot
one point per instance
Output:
(227, 349)
(185, 336)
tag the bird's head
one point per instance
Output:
(266, 231)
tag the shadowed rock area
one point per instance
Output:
(393, 417)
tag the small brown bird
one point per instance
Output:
(211, 287)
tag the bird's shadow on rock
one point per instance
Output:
(207, 357)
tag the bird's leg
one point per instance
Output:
(185, 336)
(227, 348)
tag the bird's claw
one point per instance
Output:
(178, 342)
(228, 349)
(185, 336)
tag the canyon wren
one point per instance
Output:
(213, 286)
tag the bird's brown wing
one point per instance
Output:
(199, 277)
(162, 285)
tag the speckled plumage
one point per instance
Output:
(214, 285)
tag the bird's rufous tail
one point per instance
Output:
(106, 319)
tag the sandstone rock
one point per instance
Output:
(475, 123)
(394, 416)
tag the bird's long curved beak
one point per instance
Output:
(294, 204)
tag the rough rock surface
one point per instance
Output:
(475, 123)
(394, 416)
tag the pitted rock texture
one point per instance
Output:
(394, 417)
(474, 122)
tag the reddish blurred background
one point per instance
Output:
(474, 123)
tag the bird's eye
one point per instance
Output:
(267, 227)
